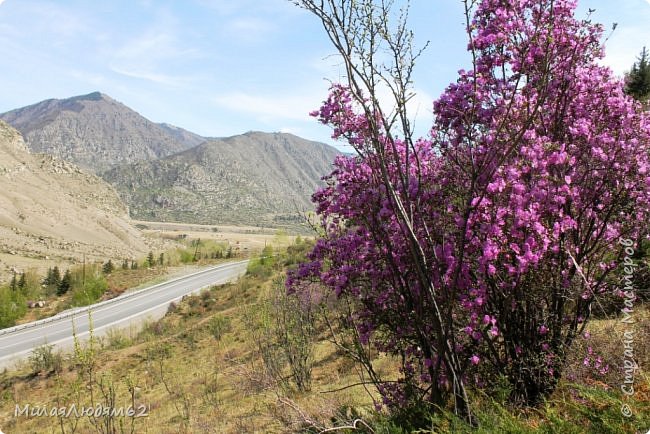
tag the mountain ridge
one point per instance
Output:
(164, 172)
(255, 178)
(96, 132)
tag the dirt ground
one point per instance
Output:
(248, 238)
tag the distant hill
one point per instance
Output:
(166, 173)
(96, 132)
(255, 178)
(51, 209)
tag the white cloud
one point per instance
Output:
(287, 109)
(156, 55)
(143, 74)
(61, 23)
(248, 29)
(269, 108)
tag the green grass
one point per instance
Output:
(572, 409)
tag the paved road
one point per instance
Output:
(16, 343)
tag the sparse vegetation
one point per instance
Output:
(84, 284)
(12, 306)
(156, 190)
(45, 360)
(201, 366)
(285, 333)
(218, 326)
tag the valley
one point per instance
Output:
(78, 174)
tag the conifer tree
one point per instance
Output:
(637, 81)
(55, 277)
(14, 282)
(22, 282)
(108, 267)
(65, 284)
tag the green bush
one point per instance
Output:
(44, 359)
(261, 268)
(218, 326)
(90, 292)
(117, 339)
(12, 306)
(186, 256)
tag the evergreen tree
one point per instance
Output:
(55, 277)
(14, 282)
(125, 264)
(637, 81)
(134, 265)
(108, 267)
(48, 277)
(22, 282)
(161, 259)
(150, 260)
(64, 284)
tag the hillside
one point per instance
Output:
(96, 132)
(50, 209)
(255, 178)
(219, 362)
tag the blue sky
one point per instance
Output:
(224, 67)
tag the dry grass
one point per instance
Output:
(192, 382)
(222, 383)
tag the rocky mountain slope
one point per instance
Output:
(50, 209)
(255, 178)
(96, 132)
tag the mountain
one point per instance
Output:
(51, 209)
(255, 179)
(96, 132)
(166, 173)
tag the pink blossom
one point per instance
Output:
(500, 203)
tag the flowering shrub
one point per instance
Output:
(477, 253)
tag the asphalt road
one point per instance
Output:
(17, 343)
